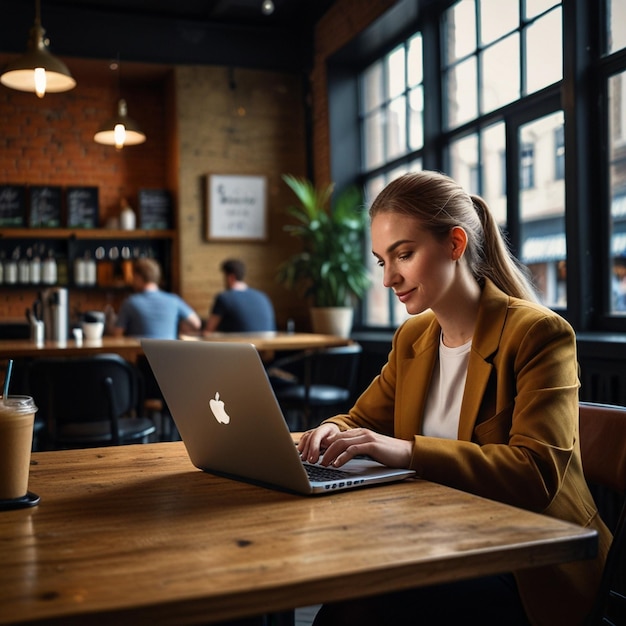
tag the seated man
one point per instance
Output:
(240, 308)
(151, 312)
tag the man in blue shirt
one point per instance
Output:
(151, 312)
(240, 308)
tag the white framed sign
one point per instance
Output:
(236, 208)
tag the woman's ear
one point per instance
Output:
(458, 241)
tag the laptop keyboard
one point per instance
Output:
(320, 474)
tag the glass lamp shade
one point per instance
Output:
(120, 130)
(37, 70)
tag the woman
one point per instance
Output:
(480, 393)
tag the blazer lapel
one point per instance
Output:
(417, 372)
(489, 326)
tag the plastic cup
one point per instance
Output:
(92, 331)
(17, 418)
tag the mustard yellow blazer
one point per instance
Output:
(518, 431)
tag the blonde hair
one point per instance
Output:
(440, 204)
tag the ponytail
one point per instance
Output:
(498, 264)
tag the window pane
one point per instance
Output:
(416, 119)
(617, 188)
(372, 87)
(535, 7)
(493, 148)
(373, 141)
(616, 25)
(544, 56)
(461, 90)
(464, 162)
(415, 61)
(377, 300)
(461, 40)
(396, 73)
(396, 128)
(501, 79)
(542, 209)
(497, 18)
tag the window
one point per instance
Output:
(392, 135)
(616, 109)
(494, 56)
(559, 153)
(542, 210)
(527, 166)
(483, 92)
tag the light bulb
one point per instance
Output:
(267, 7)
(40, 82)
(119, 133)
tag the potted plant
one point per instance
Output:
(330, 269)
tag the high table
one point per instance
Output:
(135, 534)
(127, 347)
(270, 341)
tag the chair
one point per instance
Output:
(603, 450)
(325, 383)
(154, 403)
(89, 401)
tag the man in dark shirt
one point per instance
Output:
(240, 308)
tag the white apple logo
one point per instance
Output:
(217, 408)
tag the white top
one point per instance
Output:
(443, 404)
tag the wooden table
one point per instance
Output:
(127, 347)
(275, 341)
(136, 534)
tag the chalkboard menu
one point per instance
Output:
(155, 208)
(12, 206)
(82, 207)
(45, 206)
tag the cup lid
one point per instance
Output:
(17, 404)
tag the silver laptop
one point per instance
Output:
(225, 410)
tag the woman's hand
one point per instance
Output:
(339, 447)
(314, 442)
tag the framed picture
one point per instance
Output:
(236, 208)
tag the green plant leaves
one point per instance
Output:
(330, 269)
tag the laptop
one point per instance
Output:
(224, 407)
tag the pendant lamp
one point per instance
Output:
(120, 130)
(38, 70)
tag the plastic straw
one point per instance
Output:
(7, 379)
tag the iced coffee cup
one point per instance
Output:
(17, 418)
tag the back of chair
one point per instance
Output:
(603, 444)
(98, 388)
(336, 366)
(603, 451)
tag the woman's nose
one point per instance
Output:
(390, 276)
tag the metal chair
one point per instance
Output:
(89, 401)
(325, 383)
(603, 449)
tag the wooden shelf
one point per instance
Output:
(84, 233)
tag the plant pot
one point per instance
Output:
(332, 320)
